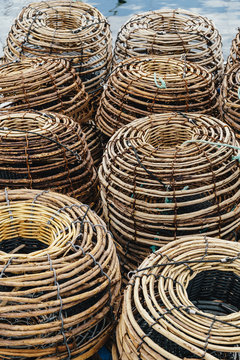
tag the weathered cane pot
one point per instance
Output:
(169, 175)
(152, 84)
(172, 33)
(72, 30)
(47, 150)
(183, 303)
(60, 277)
(43, 84)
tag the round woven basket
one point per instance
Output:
(43, 84)
(234, 56)
(230, 98)
(46, 150)
(60, 277)
(183, 303)
(94, 141)
(172, 33)
(153, 84)
(72, 30)
(166, 176)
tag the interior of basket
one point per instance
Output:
(25, 230)
(168, 136)
(63, 21)
(215, 291)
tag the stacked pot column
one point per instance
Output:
(50, 84)
(165, 176)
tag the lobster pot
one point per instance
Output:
(94, 141)
(43, 84)
(60, 277)
(234, 56)
(72, 30)
(230, 98)
(143, 85)
(183, 303)
(166, 176)
(46, 150)
(172, 33)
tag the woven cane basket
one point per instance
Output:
(234, 56)
(143, 85)
(72, 30)
(166, 176)
(46, 150)
(43, 84)
(60, 277)
(172, 33)
(230, 98)
(183, 303)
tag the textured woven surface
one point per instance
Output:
(143, 85)
(72, 30)
(183, 303)
(94, 141)
(46, 150)
(234, 56)
(172, 33)
(43, 84)
(230, 98)
(156, 186)
(60, 277)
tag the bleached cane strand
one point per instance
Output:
(60, 277)
(172, 33)
(183, 303)
(156, 186)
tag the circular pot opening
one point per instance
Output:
(215, 291)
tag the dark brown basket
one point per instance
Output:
(72, 30)
(234, 56)
(152, 84)
(46, 150)
(183, 303)
(166, 176)
(230, 98)
(172, 33)
(60, 277)
(43, 84)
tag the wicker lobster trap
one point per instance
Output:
(230, 98)
(143, 85)
(72, 30)
(234, 56)
(60, 277)
(172, 33)
(46, 150)
(183, 303)
(166, 176)
(43, 84)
